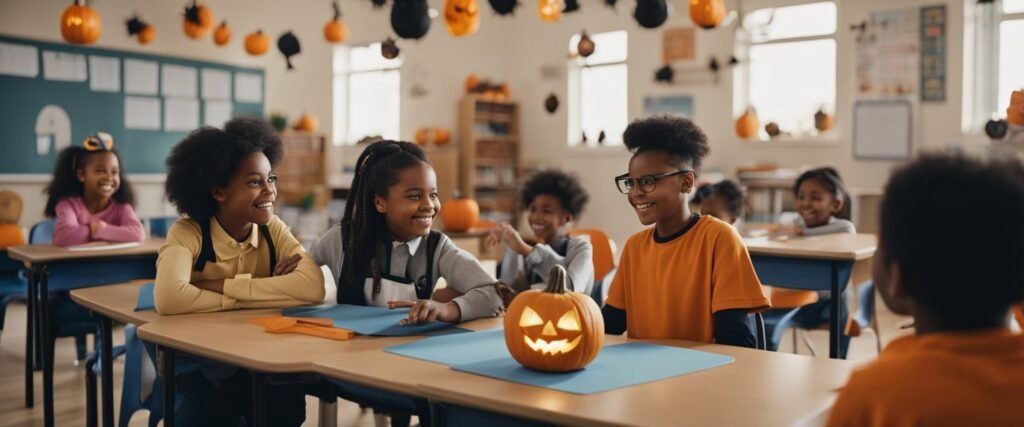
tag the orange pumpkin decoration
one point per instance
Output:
(437, 136)
(442, 136)
(421, 136)
(307, 123)
(822, 121)
(335, 31)
(1015, 112)
(472, 81)
(461, 17)
(222, 35)
(707, 14)
(80, 24)
(257, 43)
(554, 330)
(747, 125)
(198, 21)
(460, 215)
(505, 90)
(147, 34)
(550, 10)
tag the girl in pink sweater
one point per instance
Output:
(91, 197)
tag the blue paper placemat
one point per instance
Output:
(456, 349)
(365, 320)
(145, 301)
(617, 366)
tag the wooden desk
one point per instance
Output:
(818, 263)
(760, 388)
(107, 303)
(69, 270)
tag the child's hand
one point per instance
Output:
(425, 311)
(287, 265)
(511, 237)
(95, 227)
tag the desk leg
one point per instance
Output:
(46, 343)
(165, 364)
(31, 324)
(328, 413)
(259, 399)
(833, 326)
(90, 393)
(107, 370)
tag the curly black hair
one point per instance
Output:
(964, 266)
(560, 184)
(65, 181)
(829, 177)
(680, 138)
(208, 157)
(726, 189)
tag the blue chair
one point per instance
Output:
(866, 316)
(159, 225)
(599, 292)
(139, 370)
(13, 286)
(42, 232)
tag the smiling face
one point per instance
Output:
(815, 203)
(546, 337)
(250, 194)
(547, 217)
(411, 204)
(100, 175)
(665, 202)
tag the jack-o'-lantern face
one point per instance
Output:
(554, 329)
(461, 17)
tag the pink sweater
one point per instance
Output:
(73, 220)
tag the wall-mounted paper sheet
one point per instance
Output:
(181, 114)
(64, 66)
(19, 60)
(140, 77)
(248, 87)
(141, 112)
(216, 113)
(178, 81)
(104, 74)
(216, 84)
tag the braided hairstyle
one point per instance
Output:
(362, 227)
(829, 177)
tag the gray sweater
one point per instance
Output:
(835, 225)
(518, 271)
(460, 269)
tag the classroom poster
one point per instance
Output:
(933, 53)
(888, 53)
(676, 105)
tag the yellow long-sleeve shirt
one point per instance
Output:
(244, 266)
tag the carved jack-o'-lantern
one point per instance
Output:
(462, 17)
(554, 330)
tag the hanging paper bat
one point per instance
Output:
(650, 13)
(288, 44)
(409, 18)
(503, 7)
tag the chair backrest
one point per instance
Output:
(42, 232)
(159, 225)
(759, 334)
(604, 252)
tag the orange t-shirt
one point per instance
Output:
(942, 379)
(11, 235)
(672, 289)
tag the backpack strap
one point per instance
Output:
(265, 231)
(206, 252)
(425, 285)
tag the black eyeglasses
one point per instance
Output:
(647, 183)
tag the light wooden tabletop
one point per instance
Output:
(114, 301)
(851, 247)
(49, 253)
(760, 388)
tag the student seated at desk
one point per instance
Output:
(948, 269)
(723, 200)
(91, 197)
(230, 252)
(690, 276)
(553, 199)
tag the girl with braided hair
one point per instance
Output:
(384, 253)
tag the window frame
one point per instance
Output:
(982, 95)
(576, 65)
(344, 76)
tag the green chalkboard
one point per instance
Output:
(143, 151)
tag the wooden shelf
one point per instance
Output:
(489, 146)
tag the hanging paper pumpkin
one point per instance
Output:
(554, 330)
(80, 24)
(650, 13)
(822, 121)
(707, 14)
(551, 103)
(288, 44)
(222, 35)
(550, 10)
(746, 124)
(664, 74)
(307, 123)
(503, 7)
(335, 31)
(586, 46)
(570, 6)
(410, 19)
(257, 43)
(389, 49)
(460, 214)
(198, 21)
(141, 30)
(461, 17)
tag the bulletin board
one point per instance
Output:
(55, 94)
(882, 129)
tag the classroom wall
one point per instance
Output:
(513, 49)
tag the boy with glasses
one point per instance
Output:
(690, 276)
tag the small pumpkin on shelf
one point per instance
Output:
(460, 215)
(822, 120)
(80, 24)
(747, 124)
(773, 129)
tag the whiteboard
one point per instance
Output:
(881, 129)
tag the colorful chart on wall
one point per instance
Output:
(888, 53)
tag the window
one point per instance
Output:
(998, 64)
(790, 71)
(597, 90)
(366, 94)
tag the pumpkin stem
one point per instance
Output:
(337, 10)
(556, 280)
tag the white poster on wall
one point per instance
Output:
(140, 77)
(142, 112)
(64, 66)
(248, 88)
(104, 74)
(178, 81)
(216, 113)
(19, 60)
(215, 84)
(181, 114)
